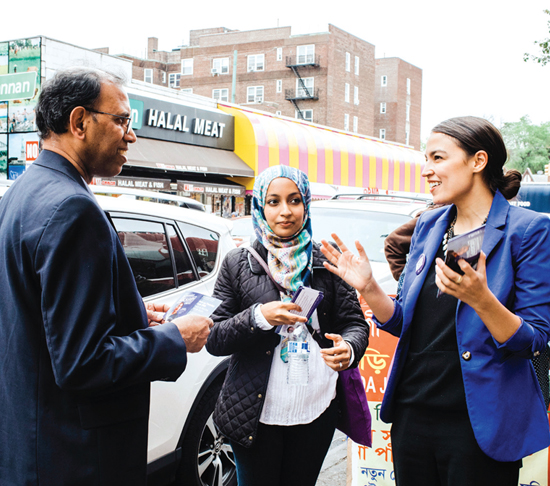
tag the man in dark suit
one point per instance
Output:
(77, 355)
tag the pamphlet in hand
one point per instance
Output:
(466, 246)
(308, 299)
(192, 303)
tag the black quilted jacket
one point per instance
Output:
(242, 284)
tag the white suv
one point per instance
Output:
(173, 249)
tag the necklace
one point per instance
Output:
(451, 232)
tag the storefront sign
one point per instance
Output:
(146, 184)
(173, 122)
(211, 189)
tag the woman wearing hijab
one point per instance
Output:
(280, 433)
(463, 397)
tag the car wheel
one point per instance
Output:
(207, 457)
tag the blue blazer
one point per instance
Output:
(76, 355)
(504, 401)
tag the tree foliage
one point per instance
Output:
(544, 45)
(528, 145)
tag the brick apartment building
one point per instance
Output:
(330, 78)
(397, 98)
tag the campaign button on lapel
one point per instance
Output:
(420, 264)
(466, 355)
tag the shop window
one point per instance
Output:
(147, 250)
(203, 245)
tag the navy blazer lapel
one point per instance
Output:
(496, 220)
(424, 249)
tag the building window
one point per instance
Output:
(408, 115)
(256, 62)
(187, 67)
(383, 133)
(255, 94)
(346, 93)
(307, 114)
(348, 62)
(305, 54)
(187, 90)
(174, 80)
(220, 94)
(278, 113)
(355, 124)
(383, 107)
(308, 91)
(220, 66)
(279, 53)
(163, 77)
(346, 122)
(384, 81)
(407, 137)
(355, 95)
(408, 86)
(148, 75)
(279, 86)
(357, 65)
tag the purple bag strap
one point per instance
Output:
(261, 261)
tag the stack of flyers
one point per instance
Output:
(192, 303)
(466, 246)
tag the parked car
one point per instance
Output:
(369, 219)
(242, 231)
(170, 250)
(150, 196)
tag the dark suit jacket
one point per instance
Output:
(504, 400)
(76, 353)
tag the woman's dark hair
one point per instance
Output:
(473, 134)
(64, 92)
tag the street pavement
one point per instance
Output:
(334, 469)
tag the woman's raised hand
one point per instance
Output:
(278, 313)
(355, 270)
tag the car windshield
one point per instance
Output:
(369, 227)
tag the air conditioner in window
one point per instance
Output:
(214, 71)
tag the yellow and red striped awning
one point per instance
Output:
(327, 156)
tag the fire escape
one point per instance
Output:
(303, 92)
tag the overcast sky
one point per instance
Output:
(470, 52)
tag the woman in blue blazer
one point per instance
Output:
(463, 397)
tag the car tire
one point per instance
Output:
(207, 458)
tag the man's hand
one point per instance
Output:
(155, 313)
(194, 330)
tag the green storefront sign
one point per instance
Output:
(17, 86)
